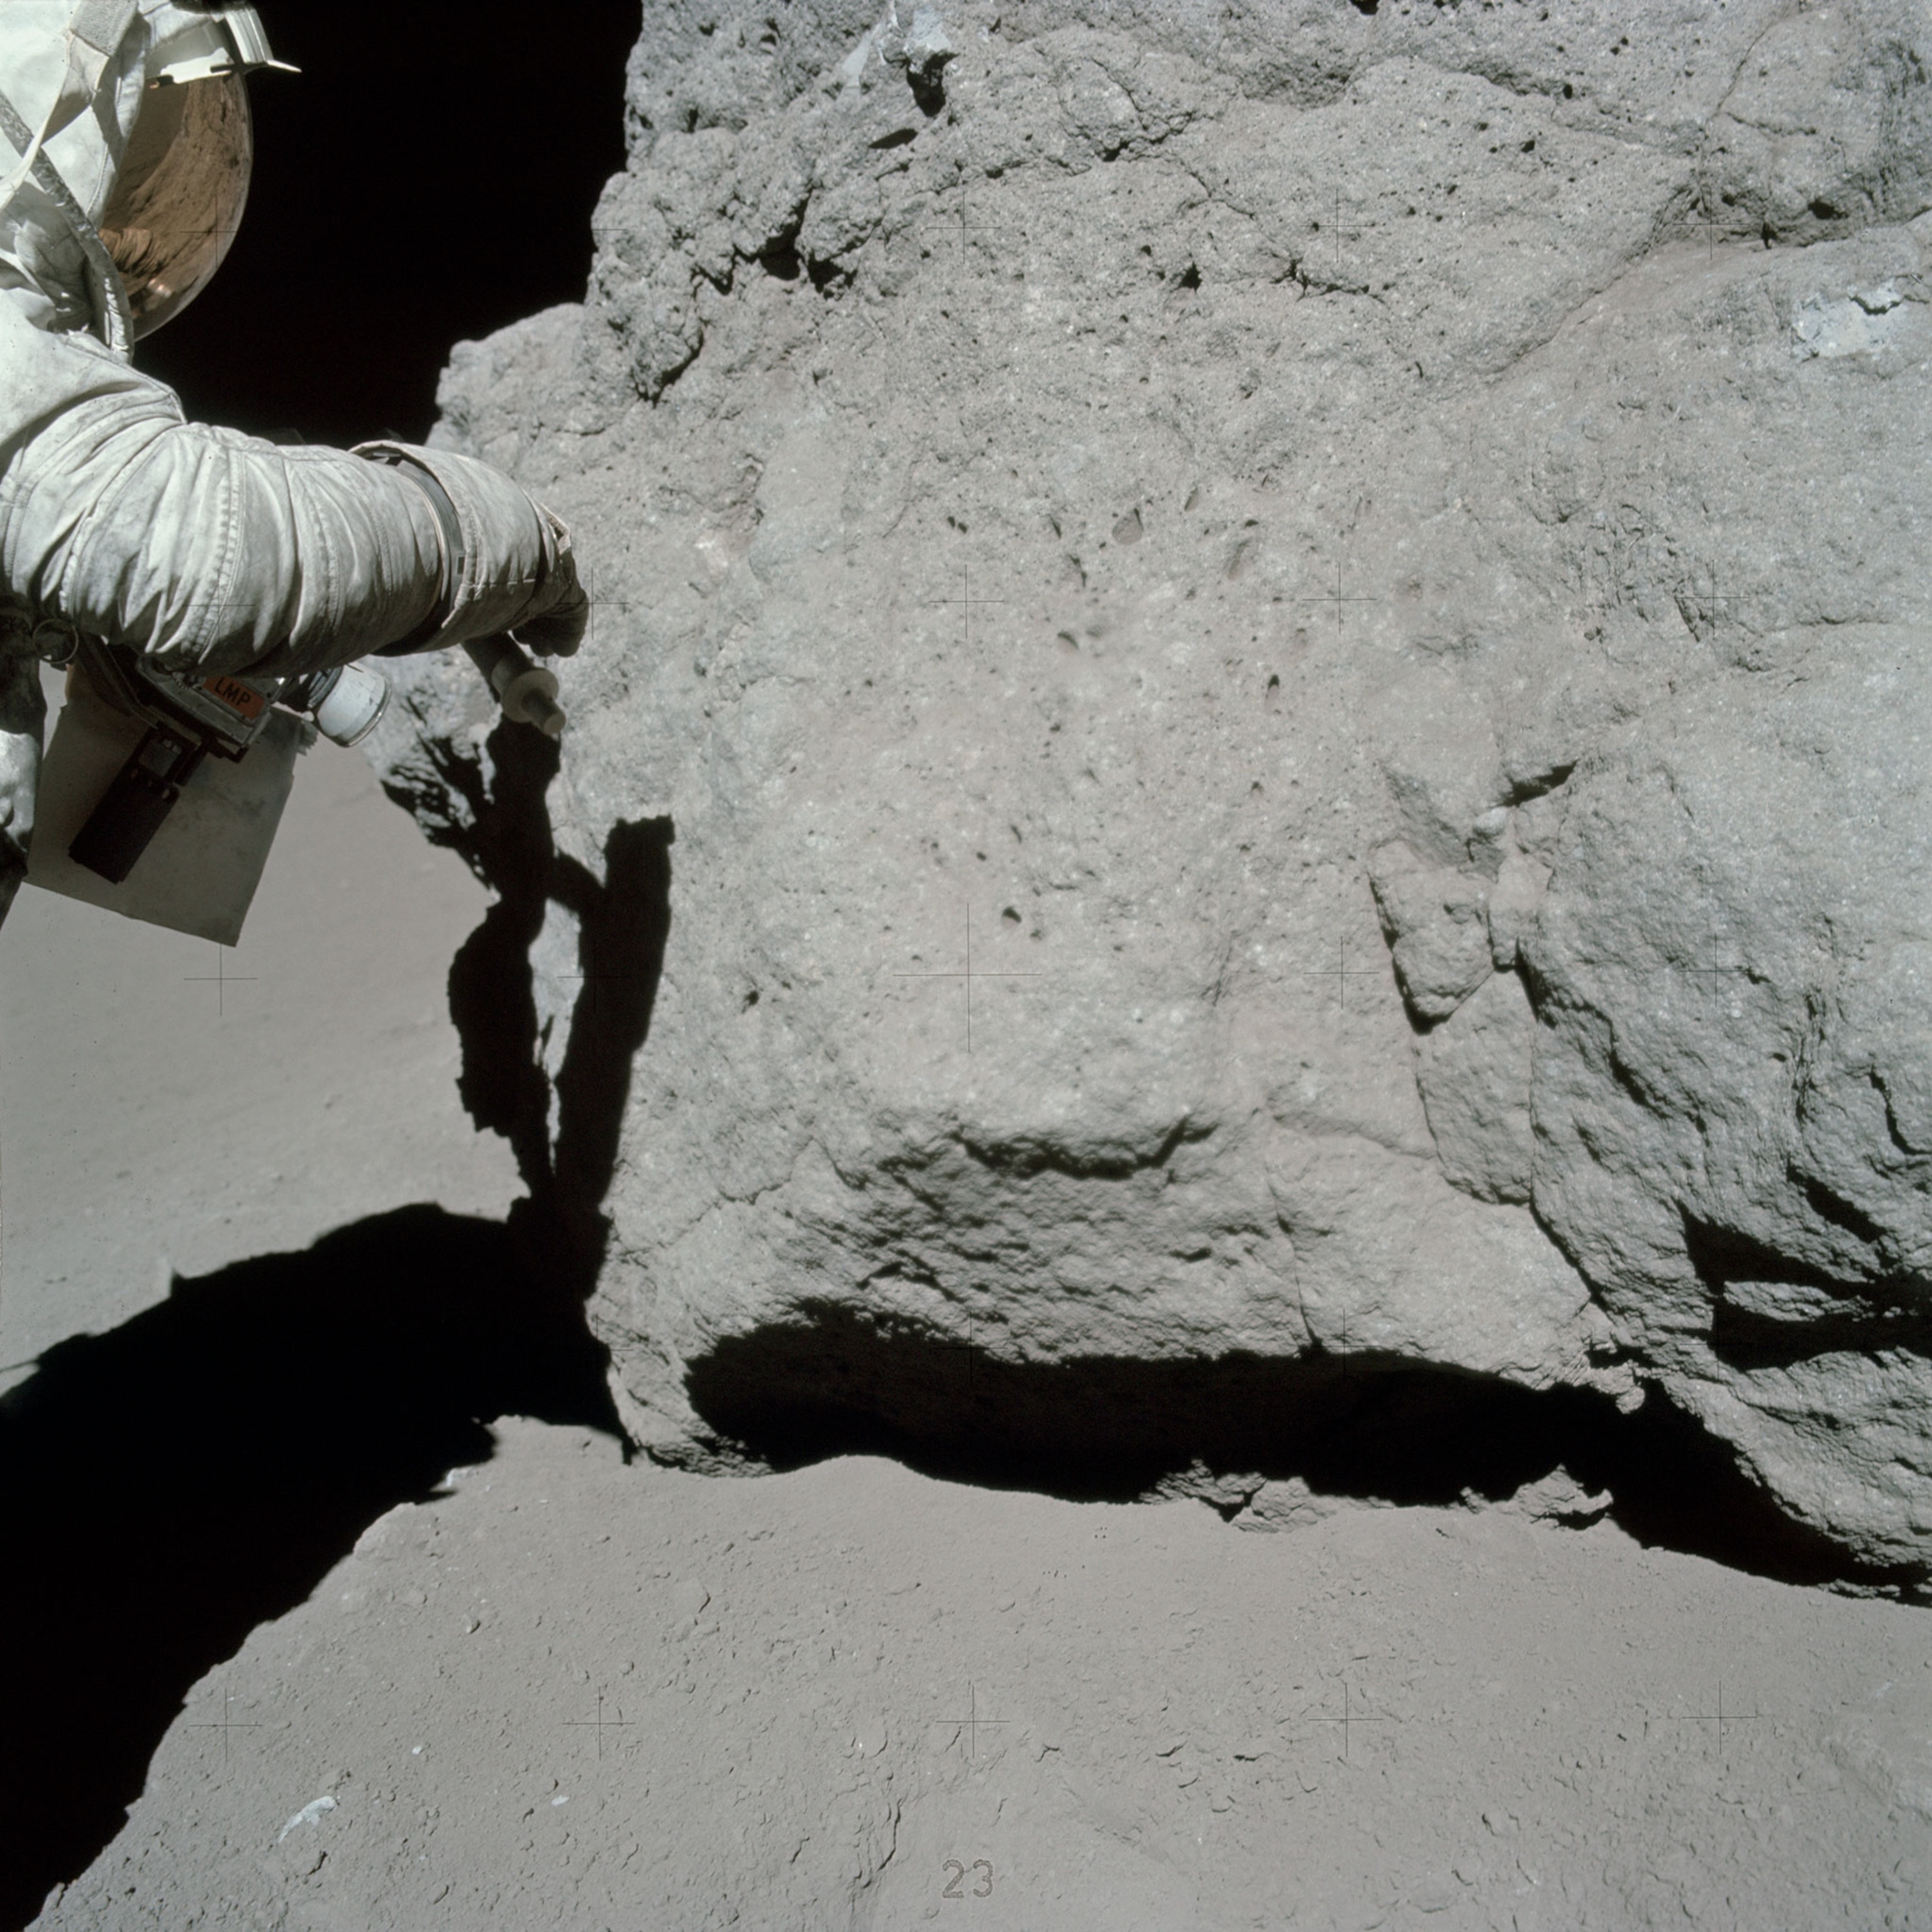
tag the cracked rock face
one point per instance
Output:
(1257, 694)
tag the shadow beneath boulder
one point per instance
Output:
(166, 1487)
(1364, 1427)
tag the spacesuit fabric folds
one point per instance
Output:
(205, 549)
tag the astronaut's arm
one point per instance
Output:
(210, 550)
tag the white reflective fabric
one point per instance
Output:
(89, 37)
(179, 195)
(191, 47)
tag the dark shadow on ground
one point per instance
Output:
(166, 1487)
(623, 925)
(1364, 1427)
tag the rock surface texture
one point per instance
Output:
(1363, 566)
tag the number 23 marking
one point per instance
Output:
(958, 1878)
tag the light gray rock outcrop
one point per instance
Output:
(1369, 565)
(1732, 1084)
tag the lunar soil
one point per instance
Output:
(338, 1684)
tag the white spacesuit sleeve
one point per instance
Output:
(511, 565)
(212, 550)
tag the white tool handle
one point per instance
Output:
(526, 691)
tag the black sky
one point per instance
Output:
(429, 176)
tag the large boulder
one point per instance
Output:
(1254, 705)
(1732, 1090)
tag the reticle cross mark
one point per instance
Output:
(969, 226)
(1338, 237)
(967, 601)
(969, 1349)
(1707, 605)
(1341, 1353)
(1341, 973)
(968, 974)
(970, 1726)
(220, 980)
(600, 1723)
(1705, 214)
(224, 1724)
(1335, 597)
(1348, 1716)
(1720, 1716)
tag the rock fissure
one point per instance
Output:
(1021, 1160)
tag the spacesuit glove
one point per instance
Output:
(556, 631)
(510, 568)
